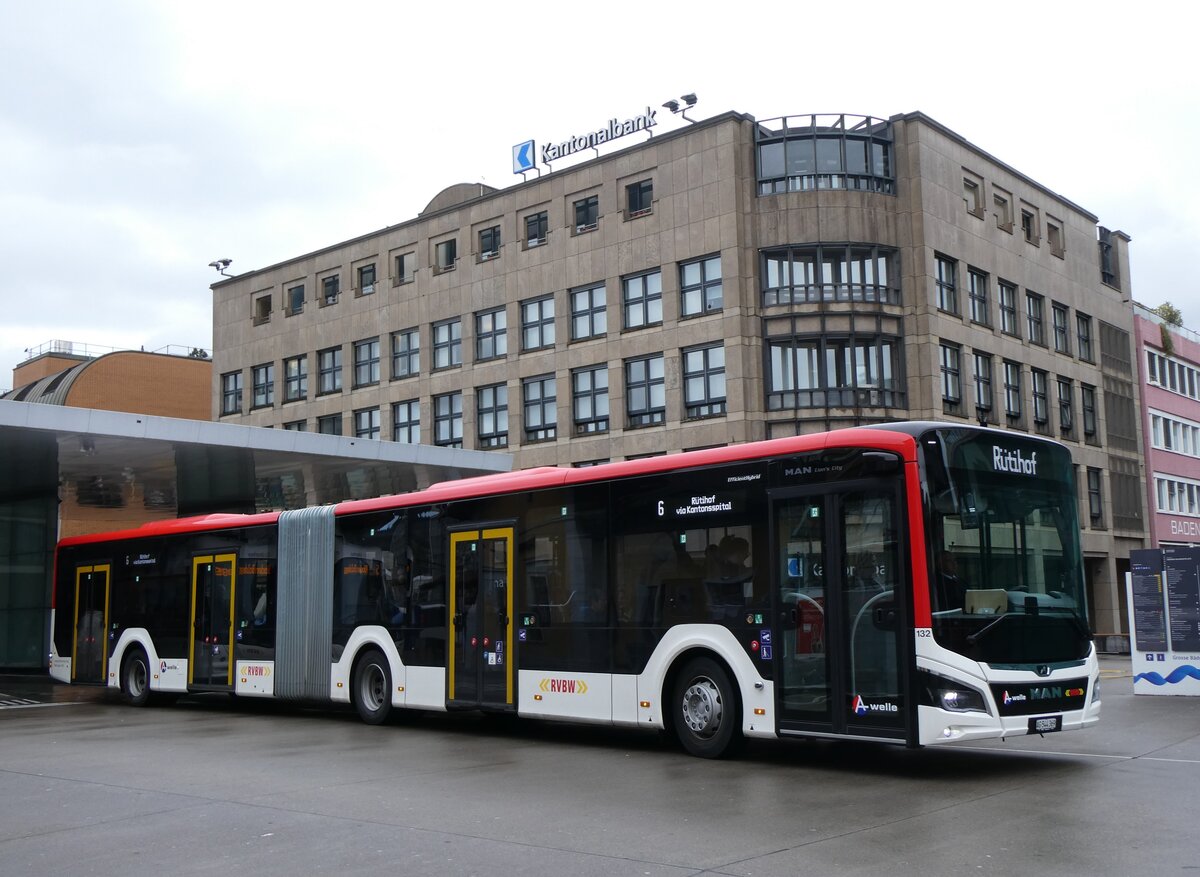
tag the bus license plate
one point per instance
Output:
(1045, 724)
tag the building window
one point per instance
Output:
(537, 227)
(1041, 405)
(802, 153)
(295, 299)
(951, 355)
(366, 423)
(447, 420)
(1054, 237)
(537, 323)
(1169, 433)
(1087, 405)
(366, 362)
(262, 309)
(1035, 307)
(824, 371)
(983, 384)
(589, 399)
(330, 424)
(1008, 310)
(1066, 412)
(231, 393)
(1062, 335)
(491, 334)
(447, 344)
(489, 243)
(1029, 226)
(700, 287)
(944, 280)
(406, 353)
(445, 253)
(541, 408)
(1095, 498)
(1175, 495)
(406, 422)
(639, 199)
(704, 381)
(330, 287)
(406, 268)
(1002, 203)
(263, 380)
(1171, 374)
(491, 407)
(366, 279)
(587, 213)
(295, 378)
(854, 272)
(296, 426)
(645, 391)
(1083, 327)
(981, 308)
(329, 371)
(973, 195)
(1012, 389)
(589, 318)
(642, 295)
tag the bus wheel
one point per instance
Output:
(135, 678)
(373, 687)
(707, 716)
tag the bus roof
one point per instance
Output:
(900, 442)
(199, 523)
(556, 476)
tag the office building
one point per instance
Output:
(725, 281)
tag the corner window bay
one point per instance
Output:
(907, 583)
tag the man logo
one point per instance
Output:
(523, 157)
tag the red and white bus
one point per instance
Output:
(915, 583)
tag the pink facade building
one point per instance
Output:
(1169, 362)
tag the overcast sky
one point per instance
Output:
(139, 141)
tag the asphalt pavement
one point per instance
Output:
(213, 785)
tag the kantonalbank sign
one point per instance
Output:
(523, 153)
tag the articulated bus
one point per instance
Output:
(913, 583)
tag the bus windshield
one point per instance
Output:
(1005, 579)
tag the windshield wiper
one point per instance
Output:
(972, 638)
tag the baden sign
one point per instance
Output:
(523, 153)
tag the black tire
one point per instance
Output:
(135, 677)
(705, 711)
(372, 687)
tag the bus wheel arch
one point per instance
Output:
(135, 676)
(371, 686)
(703, 705)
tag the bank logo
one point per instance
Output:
(523, 157)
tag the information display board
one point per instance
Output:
(1163, 594)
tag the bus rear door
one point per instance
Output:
(481, 618)
(836, 559)
(89, 661)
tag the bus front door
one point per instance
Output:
(214, 579)
(481, 619)
(838, 577)
(89, 662)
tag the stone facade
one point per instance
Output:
(815, 273)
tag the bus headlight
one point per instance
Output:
(951, 695)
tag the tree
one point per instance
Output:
(1169, 314)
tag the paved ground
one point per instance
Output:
(211, 785)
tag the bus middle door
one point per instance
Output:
(481, 619)
(214, 579)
